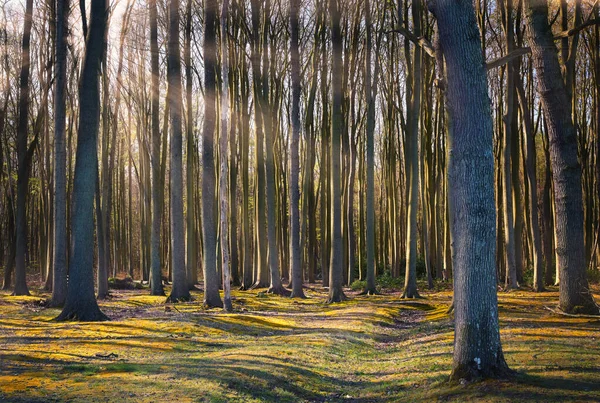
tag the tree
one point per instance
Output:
(81, 303)
(412, 161)
(370, 151)
(24, 155)
(209, 230)
(157, 183)
(575, 296)
(477, 348)
(223, 147)
(295, 251)
(59, 284)
(336, 276)
(180, 290)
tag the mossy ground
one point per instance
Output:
(273, 349)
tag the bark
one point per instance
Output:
(530, 166)
(507, 186)
(192, 250)
(262, 274)
(81, 303)
(24, 156)
(336, 275)
(575, 296)
(412, 163)
(156, 286)
(295, 251)
(180, 290)
(477, 348)
(59, 273)
(370, 288)
(209, 230)
(223, 143)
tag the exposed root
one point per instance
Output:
(281, 290)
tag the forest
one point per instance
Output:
(300, 200)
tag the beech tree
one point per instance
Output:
(81, 302)
(477, 347)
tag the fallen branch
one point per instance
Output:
(572, 315)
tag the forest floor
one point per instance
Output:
(273, 349)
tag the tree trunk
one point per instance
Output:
(59, 274)
(81, 303)
(575, 296)
(295, 247)
(180, 290)
(156, 286)
(224, 160)
(370, 151)
(209, 230)
(412, 163)
(477, 348)
(24, 156)
(336, 275)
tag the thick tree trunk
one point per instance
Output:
(575, 296)
(209, 230)
(477, 348)
(81, 303)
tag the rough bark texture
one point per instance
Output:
(81, 303)
(180, 290)
(575, 296)
(209, 230)
(59, 274)
(477, 348)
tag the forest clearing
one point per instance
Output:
(366, 349)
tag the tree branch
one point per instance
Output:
(573, 31)
(507, 58)
(419, 41)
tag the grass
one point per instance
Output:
(273, 349)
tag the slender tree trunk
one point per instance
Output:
(295, 247)
(224, 160)
(412, 163)
(192, 250)
(180, 290)
(156, 286)
(209, 230)
(336, 275)
(24, 156)
(531, 165)
(370, 150)
(59, 279)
